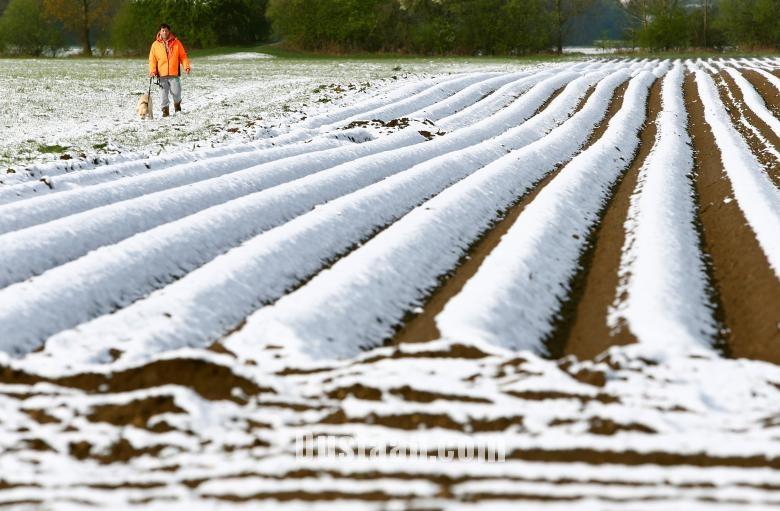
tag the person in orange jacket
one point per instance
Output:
(166, 58)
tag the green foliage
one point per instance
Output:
(680, 24)
(415, 26)
(330, 25)
(197, 23)
(667, 29)
(751, 23)
(24, 30)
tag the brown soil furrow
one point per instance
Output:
(211, 381)
(447, 480)
(765, 89)
(550, 100)
(739, 112)
(604, 499)
(631, 458)
(422, 327)
(747, 288)
(587, 333)
(307, 496)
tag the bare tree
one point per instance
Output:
(563, 11)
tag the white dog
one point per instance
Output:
(144, 107)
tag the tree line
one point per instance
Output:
(518, 26)
(428, 27)
(674, 24)
(127, 27)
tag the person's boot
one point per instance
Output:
(166, 111)
(177, 107)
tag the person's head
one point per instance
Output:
(165, 31)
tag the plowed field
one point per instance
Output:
(579, 262)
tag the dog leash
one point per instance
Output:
(157, 83)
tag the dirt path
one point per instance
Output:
(586, 333)
(745, 284)
(422, 327)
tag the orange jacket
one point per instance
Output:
(165, 57)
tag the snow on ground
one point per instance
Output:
(86, 108)
(242, 55)
(173, 325)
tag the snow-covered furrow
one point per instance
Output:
(498, 92)
(367, 293)
(752, 64)
(123, 164)
(709, 66)
(209, 301)
(471, 95)
(38, 210)
(515, 296)
(433, 95)
(504, 96)
(662, 297)
(767, 146)
(38, 248)
(404, 106)
(338, 115)
(61, 240)
(106, 173)
(451, 105)
(767, 63)
(773, 79)
(753, 100)
(754, 192)
(43, 209)
(495, 102)
(152, 258)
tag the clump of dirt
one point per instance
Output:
(420, 396)
(41, 417)
(400, 123)
(456, 350)
(120, 452)
(358, 391)
(135, 413)
(415, 421)
(546, 395)
(431, 135)
(38, 444)
(608, 427)
(211, 381)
